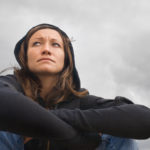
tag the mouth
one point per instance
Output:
(45, 59)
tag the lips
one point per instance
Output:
(45, 59)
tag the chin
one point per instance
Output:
(46, 72)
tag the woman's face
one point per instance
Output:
(45, 52)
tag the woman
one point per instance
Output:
(49, 77)
(25, 117)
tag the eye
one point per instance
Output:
(36, 43)
(56, 44)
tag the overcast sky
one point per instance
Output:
(111, 39)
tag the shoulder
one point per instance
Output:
(11, 82)
(8, 78)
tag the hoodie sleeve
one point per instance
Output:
(128, 120)
(21, 115)
(91, 101)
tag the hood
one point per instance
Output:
(76, 78)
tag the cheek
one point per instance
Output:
(30, 59)
(62, 60)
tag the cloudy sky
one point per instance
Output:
(111, 39)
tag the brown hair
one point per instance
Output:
(64, 88)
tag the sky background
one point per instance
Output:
(111, 39)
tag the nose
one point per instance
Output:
(46, 49)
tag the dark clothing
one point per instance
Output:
(129, 120)
(21, 115)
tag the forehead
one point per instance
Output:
(47, 33)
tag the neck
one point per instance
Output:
(47, 82)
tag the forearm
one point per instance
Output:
(131, 121)
(21, 115)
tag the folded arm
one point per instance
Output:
(21, 115)
(129, 120)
